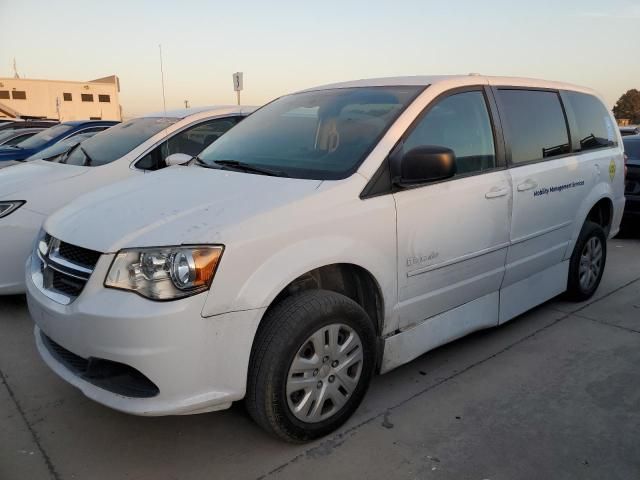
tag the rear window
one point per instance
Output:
(46, 136)
(595, 128)
(535, 124)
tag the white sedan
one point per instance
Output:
(32, 191)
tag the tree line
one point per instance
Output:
(628, 106)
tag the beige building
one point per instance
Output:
(60, 100)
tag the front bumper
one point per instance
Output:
(198, 364)
(17, 234)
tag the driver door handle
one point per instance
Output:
(528, 184)
(497, 192)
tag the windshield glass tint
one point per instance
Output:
(117, 141)
(45, 136)
(320, 135)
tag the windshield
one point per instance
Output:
(4, 134)
(45, 136)
(116, 141)
(319, 135)
(61, 147)
(632, 149)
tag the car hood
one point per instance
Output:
(175, 206)
(18, 180)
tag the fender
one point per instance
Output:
(287, 264)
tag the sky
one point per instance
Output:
(284, 46)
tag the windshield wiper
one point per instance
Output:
(247, 167)
(202, 163)
(89, 160)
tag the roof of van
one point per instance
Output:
(213, 109)
(453, 80)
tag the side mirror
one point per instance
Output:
(424, 164)
(177, 159)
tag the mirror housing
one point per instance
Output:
(424, 164)
(177, 159)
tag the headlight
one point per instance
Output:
(164, 273)
(8, 207)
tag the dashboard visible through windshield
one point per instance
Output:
(321, 135)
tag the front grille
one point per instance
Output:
(114, 377)
(61, 270)
(79, 255)
(65, 284)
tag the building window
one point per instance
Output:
(104, 98)
(4, 94)
(19, 95)
(67, 97)
(86, 97)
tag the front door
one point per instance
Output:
(453, 235)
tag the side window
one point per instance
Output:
(190, 141)
(535, 124)
(459, 122)
(595, 128)
(17, 140)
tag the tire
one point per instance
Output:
(587, 261)
(273, 399)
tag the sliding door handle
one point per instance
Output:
(497, 192)
(527, 185)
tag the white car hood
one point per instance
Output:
(178, 205)
(16, 181)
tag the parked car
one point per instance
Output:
(335, 233)
(632, 183)
(33, 190)
(20, 124)
(13, 137)
(57, 150)
(50, 136)
(630, 130)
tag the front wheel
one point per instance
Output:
(587, 262)
(312, 362)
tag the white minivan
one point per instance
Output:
(336, 233)
(31, 191)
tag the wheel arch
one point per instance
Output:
(349, 279)
(597, 207)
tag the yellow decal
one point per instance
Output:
(612, 169)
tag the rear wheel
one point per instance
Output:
(312, 362)
(587, 262)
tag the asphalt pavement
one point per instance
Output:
(553, 394)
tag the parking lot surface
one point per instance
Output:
(554, 393)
